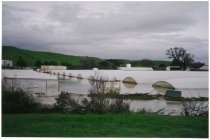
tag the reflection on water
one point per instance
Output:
(82, 86)
(161, 91)
(129, 85)
(161, 106)
(91, 82)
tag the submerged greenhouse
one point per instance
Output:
(189, 87)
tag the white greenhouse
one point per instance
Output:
(26, 74)
(189, 87)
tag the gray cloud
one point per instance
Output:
(130, 30)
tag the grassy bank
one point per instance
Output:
(107, 125)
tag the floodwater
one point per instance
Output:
(52, 88)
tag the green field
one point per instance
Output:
(106, 125)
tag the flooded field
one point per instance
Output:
(50, 86)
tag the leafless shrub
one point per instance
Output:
(102, 85)
(195, 108)
(99, 85)
(114, 86)
(14, 84)
(10, 84)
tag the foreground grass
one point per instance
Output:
(107, 125)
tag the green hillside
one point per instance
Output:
(31, 57)
(81, 62)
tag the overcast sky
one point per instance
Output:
(128, 30)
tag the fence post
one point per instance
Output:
(58, 85)
(46, 86)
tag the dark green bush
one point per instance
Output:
(97, 105)
(68, 103)
(19, 102)
(118, 105)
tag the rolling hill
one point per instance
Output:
(13, 53)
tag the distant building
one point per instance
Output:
(174, 68)
(7, 63)
(204, 68)
(48, 68)
(129, 68)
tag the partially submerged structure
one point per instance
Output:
(105, 86)
(7, 63)
(140, 81)
(173, 68)
(129, 80)
(187, 86)
(129, 68)
(49, 68)
(26, 74)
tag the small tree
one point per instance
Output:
(89, 63)
(38, 63)
(116, 63)
(147, 63)
(136, 63)
(105, 65)
(21, 62)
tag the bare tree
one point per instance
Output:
(99, 85)
(98, 102)
(180, 57)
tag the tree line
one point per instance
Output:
(180, 57)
